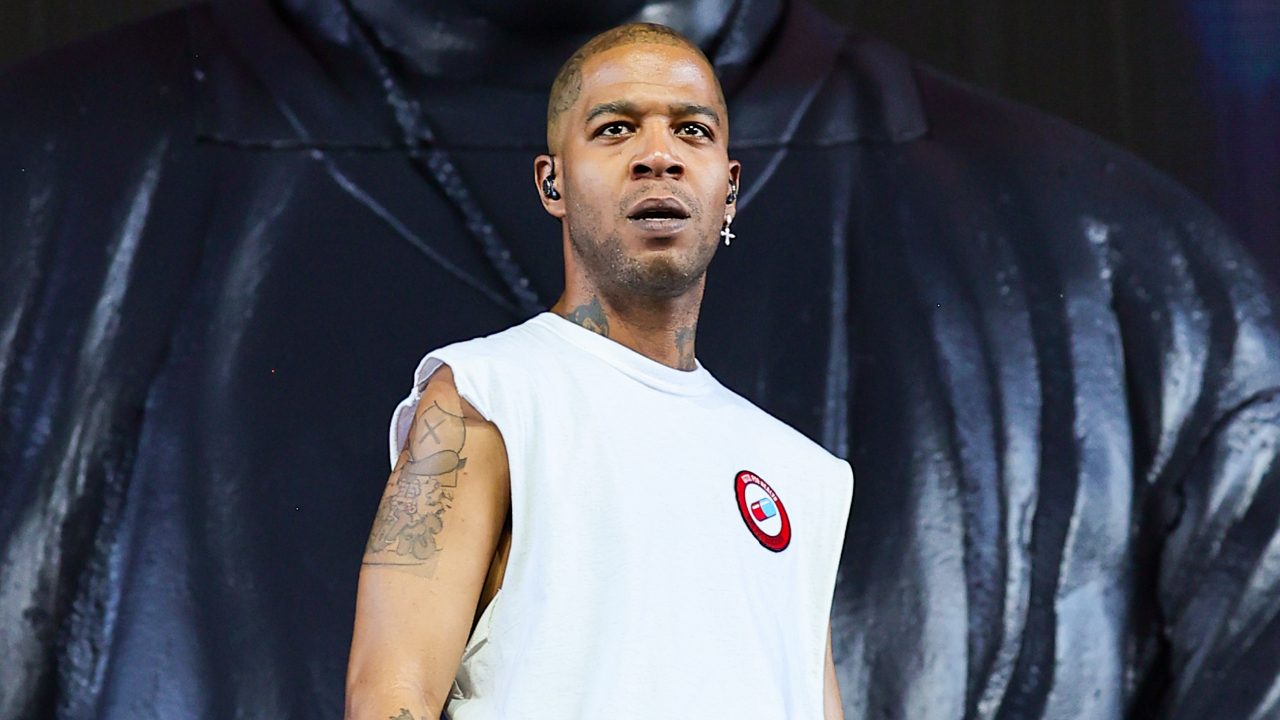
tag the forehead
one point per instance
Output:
(667, 71)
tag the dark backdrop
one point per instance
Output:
(1192, 86)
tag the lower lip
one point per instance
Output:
(665, 226)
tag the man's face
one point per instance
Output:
(646, 170)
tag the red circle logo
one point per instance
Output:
(762, 511)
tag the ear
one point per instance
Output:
(735, 170)
(542, 171)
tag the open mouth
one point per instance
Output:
(659, 214)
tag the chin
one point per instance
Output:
(643, 265)
(662, 275)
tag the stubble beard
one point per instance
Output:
(661, 277)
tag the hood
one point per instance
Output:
(522, 43)
(323, 74)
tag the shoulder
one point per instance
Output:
(1038, 169)
(766, 431)
(1169, 252)
(508, 350)
(935, 143)
(1194, 315)
(1030, 155)
(491, 372)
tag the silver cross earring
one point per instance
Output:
(725, 232)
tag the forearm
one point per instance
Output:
(394, 671)
(390, 701)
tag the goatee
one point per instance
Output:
(661, 277)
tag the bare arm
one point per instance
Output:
(832, 707)
(428, 555)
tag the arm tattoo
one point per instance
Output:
(412, 511)
(684, 343)
(590, 316)
(404, 715)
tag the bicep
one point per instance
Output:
(430, 547)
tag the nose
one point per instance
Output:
(656, 161)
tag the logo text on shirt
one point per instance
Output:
(762, 511)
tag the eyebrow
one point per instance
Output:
(630, 109)
(686, 109)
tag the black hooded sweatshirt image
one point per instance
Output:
(229, 232)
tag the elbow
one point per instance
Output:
(380, 699)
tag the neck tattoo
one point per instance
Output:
(590, 316)
(684, 344)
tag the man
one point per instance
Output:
(226, 231)
(629, 586)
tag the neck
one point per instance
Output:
(661, 329)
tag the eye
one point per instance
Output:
(697, 130)
(614, 129)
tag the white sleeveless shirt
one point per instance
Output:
(673, 547)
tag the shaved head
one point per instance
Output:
(568, 83)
